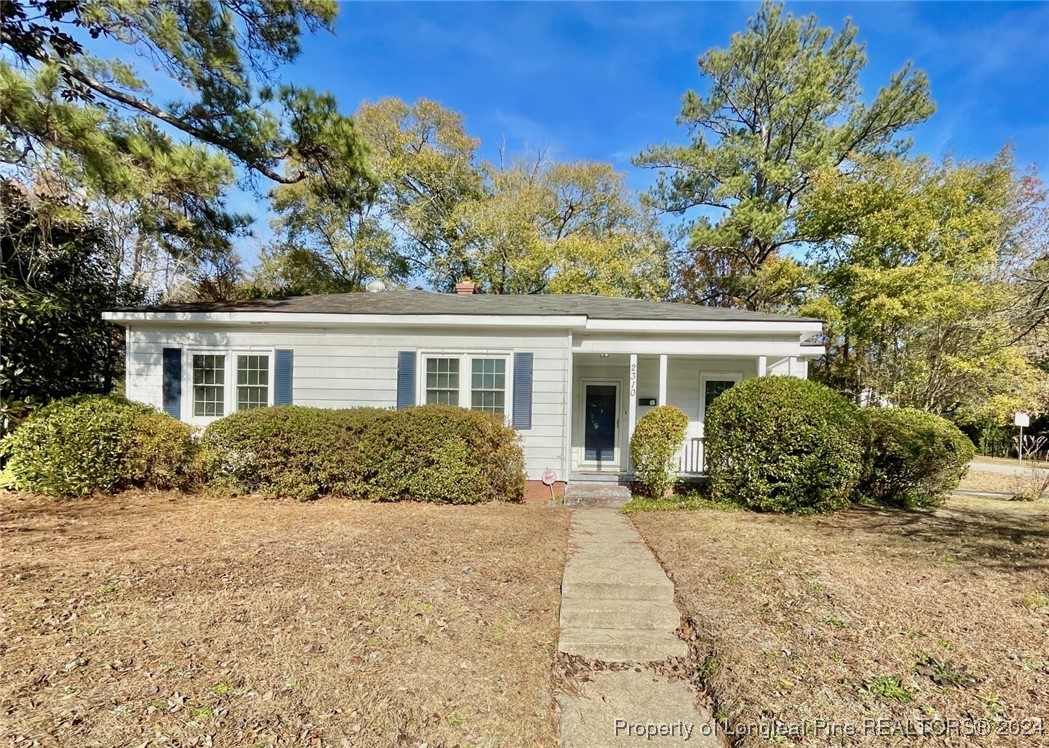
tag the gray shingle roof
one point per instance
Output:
(428, 303)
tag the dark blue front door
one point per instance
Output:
(599, 427)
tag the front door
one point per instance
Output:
(600, 406)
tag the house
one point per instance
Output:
(572, 373)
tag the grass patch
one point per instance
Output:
(890, 688)
(1036, 600)
(870, 613)
(685, 502)
(197, 621)
(1025, 487)
(978, 480)
(946, 673)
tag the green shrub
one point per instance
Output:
(429, 453)
(81, 445)
(441, 453)
(917, 458)
(163, 452)
(781, 444)
(288, 450)
(657, 438)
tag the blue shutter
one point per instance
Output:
(405, 379)
(522, 410)
(172, 387)
(282, 378)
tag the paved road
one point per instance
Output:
(1017, 469)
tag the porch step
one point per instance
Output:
(604, 493)
(583, 476)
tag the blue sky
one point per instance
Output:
(603, 80)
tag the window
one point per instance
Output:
(253, 381)
(478, 381)
(714, 387)
(488, 388)
(209, 385)
(222, 382)
(442, 381)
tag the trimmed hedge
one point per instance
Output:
(657, 438)
(427, 453)
(917, 458)
(443, 454)
(286, 450)
(781, 444)
(84, 444)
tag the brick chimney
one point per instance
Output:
(465, 287)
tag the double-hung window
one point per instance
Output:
(253, 381)
(222, 382)
(712, 385)
(478, 381)
(209, 385)
(488, 385)
(442, 381)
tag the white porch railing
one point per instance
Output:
(690, 459)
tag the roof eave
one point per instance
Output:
(335, 319)
(563, 322)
(782, 325)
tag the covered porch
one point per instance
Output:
(611, 391)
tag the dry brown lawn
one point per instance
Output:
(160, 619)
(1012, 461)
(976, 480)
(869, 614)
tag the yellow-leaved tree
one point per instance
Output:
(557, 227)
(919, 279)
(440, 215)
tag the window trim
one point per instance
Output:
(620, 459)
(466, 376)
(229, 387)
(459, 374)
(714, 376)
(508, 403)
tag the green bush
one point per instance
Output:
(163, 452)
(443, 454)
(917, 458)
(781, 444)
(80, 445)
(429, 453)
(657, 438)
(286, 450)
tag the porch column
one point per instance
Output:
(763, 363)
(569, 458)
(792, 366)
(632, 391)
(662, 379)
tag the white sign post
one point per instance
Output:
(1023, 420)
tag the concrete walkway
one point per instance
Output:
(1019, 470)
(617, 605)
(1002, 495)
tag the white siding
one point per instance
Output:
(617, 369)
(684, 388)
(339, 369)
